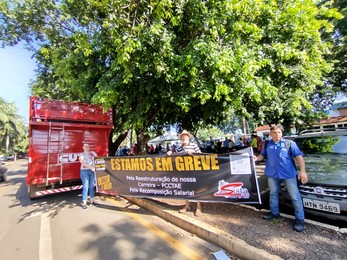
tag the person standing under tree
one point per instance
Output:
(226, 145)
(190, 148)
(135, 149)
(254, 143)
(87, 175)
(279, 168)
(260, 143)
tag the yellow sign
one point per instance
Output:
(205, 162)
(105, 182)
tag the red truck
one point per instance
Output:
(57, 130)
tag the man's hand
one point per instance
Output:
(258, 158)
(302, 177)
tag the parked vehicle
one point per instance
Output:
(3, 172)
(325, 154)
(10, 158)
(57, 130)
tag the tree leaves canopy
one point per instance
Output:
(161, 62)
(338, 77)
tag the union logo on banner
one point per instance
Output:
(232, 190)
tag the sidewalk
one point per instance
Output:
(168, 210)
(241, 231)
(223, 239)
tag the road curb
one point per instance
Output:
(207, 232)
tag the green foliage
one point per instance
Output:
(210, 133)
(12, 129)
(21, 144)
(338, 77)
(322, 145)
(187, 62)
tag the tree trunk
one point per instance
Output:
(7, 144)
(142, 140)
(113, 146)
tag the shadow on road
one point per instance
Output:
(51, 204)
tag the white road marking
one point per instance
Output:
(45, 246)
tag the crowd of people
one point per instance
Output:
(234, 142)
(150, 149)
(231, 143)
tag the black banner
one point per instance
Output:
(201, 177)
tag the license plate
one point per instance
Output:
(322, 205)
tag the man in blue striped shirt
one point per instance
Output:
(190, 148)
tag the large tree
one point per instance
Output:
(160, 62)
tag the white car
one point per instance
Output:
(325, 154)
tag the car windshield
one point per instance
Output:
(325, 158)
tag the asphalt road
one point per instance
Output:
(56, 227)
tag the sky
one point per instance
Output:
(16, 71)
